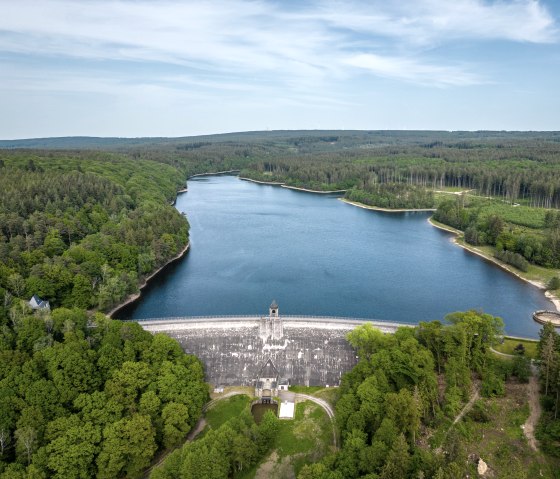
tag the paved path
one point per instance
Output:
(233, 392)
(504, 355)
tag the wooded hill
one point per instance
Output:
(81, 229)
(390, 169)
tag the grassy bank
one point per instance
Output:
(509, 345)
(536, 275)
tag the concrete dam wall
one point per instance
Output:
(308, 351)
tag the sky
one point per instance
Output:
(133, 68)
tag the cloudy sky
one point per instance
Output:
(175, 68)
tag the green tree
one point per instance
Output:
(128, 447)
(398, 461)
(72, 452)
(53, 244)
(175, 418)
(26, 442)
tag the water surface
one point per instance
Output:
(316, 255)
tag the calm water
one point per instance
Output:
(318, 256)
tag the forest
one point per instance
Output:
(468, 176)
(396, 407)
(84, 229)
(85, 396)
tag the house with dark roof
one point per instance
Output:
(39, 304)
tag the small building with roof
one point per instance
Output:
(287, 410)
(39, 304)
(266, 384)
(283, 384)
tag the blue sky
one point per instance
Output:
(174, 68)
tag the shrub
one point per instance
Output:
(554, 283)
(514, 259)
(519, 349)
(479, 412)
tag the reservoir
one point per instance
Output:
(316, 255)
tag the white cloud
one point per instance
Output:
(259, 42)
(433, 21)
(408, 69)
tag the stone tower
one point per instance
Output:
(271, 327)
(273, 310)
(276, 320)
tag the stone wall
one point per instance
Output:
(310, 351)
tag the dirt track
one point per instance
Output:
(534, 408)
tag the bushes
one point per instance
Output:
(514, 259)
(234, 447)
(479, 412)
(554, 283)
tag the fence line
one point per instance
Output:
(242, 317)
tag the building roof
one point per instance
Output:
(37, 303)
(274, 305)
(287, 409)
(268, 370)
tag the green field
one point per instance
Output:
(226, 409)
(508, 347)
(518, 215)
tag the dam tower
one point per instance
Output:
(272, 326)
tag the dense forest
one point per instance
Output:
(85, 396)
(514, 166)
(549, 354)
(83, 229)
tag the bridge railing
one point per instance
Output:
(284, 316)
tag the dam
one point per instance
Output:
(306, 350)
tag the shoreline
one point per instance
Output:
(312, 191)
(212, 174)
(274, 183)
(133, 297)
(385, 210)
(182, 190)
(471, 249)
(284, 185)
